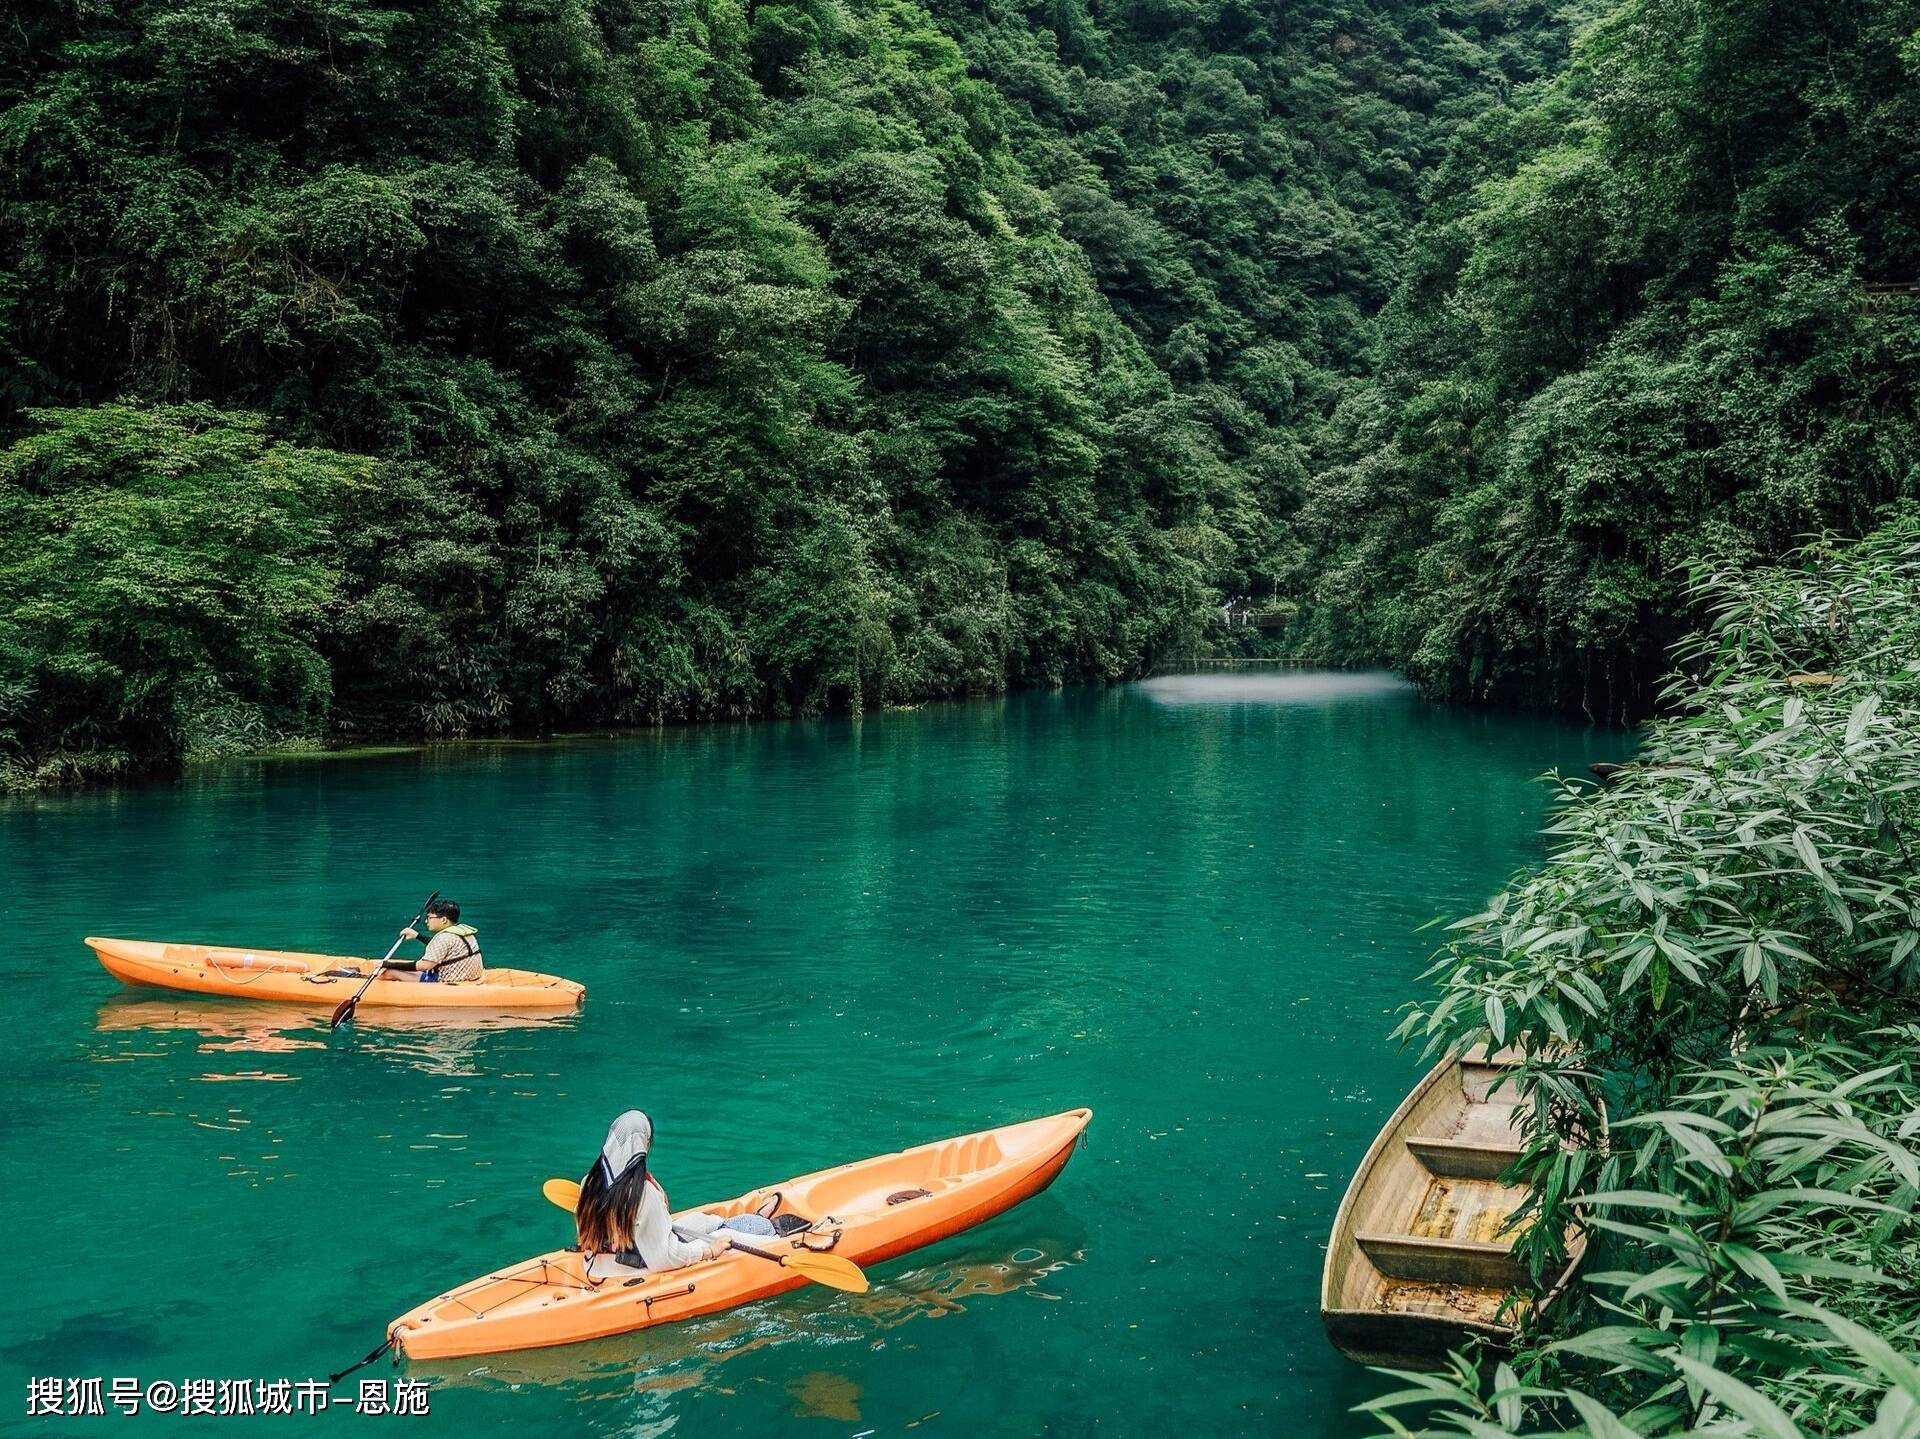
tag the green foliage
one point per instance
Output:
(1724, 952)
(1634, 323)
(1771, 1264)
(727, 360)
(161, 582)
(1242, 181)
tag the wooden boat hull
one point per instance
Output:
(881, 1207)
(1408, 1341)
(293, 977)
(1417, 1265)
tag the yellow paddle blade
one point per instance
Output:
(828, 1269)
(563, 1192)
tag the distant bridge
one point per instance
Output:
(1878, 294)
(1242, 615)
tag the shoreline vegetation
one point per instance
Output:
(296, 748)
(1723, 950)
(693, 360)
(451, 370)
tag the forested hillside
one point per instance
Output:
(466, 366)
(476, 366)
(1243, 179)
(1667, 305)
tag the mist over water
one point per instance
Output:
(1271, 687)
(1190, 903)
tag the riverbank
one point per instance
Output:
(1723, 955)
(75, 772)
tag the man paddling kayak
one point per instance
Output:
(453, 949)
(622, 1210)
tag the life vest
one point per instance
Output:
(465, 933)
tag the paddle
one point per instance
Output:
(345, 1011)
(828, 1269)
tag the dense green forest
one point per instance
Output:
(1667, 305)
(479, 366)
(473, 366)
(485, 365)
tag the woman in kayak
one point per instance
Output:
(453, 949)
(622, 1210)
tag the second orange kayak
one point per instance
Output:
(878, 1207)
(292, 977)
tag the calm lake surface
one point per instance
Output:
(1190, 903)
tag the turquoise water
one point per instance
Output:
(1189, 903)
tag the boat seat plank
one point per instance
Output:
(1421, 1260)
(1463, 1158)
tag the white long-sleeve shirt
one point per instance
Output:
(656, 1243)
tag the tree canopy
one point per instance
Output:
(716, 360)
(1666, 304)
(709, 360)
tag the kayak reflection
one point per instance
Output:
(224, 1018)
(439, 1041)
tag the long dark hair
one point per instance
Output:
(604, 1214)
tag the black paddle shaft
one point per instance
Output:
(345, 1011)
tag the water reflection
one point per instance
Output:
(443, 1042)
(802, 943)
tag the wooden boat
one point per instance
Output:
(320, 980)
(1417, 1265)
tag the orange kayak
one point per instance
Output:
(288, 977)
(879, 1208)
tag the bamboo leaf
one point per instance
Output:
(1601, 1422)
(1860, 718)
(1757, 1265)
(1642, 1199)
(1507, 1403)
(1743, 1399)
(1868, 1345)
(1496, 1019)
